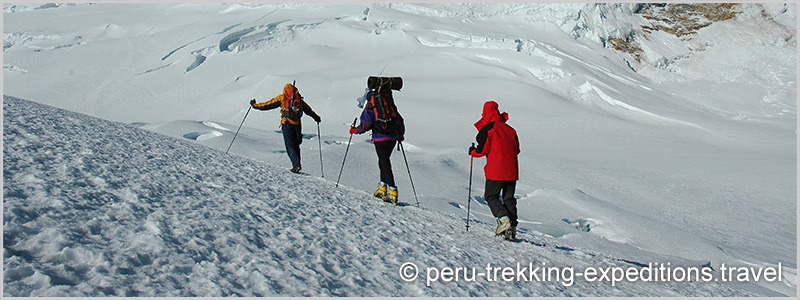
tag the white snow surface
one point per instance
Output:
(126, 212)
(689, 160)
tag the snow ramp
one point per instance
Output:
(97, 208)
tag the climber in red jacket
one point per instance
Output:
(500, 144)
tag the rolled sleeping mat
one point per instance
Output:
(395, 83)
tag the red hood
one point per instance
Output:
(490, 114)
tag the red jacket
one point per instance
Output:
(499, 143)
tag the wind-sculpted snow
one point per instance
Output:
(40, 42)
(592, 96)
(201, 136)
(252, 38)
(95, 208)
(29, 7)
(277, 33)
(224, 44)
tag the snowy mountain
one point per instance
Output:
(650, 134)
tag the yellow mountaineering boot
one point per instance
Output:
(391, 196)
(503, 224)
(381, 192)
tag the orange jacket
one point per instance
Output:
(284, 101)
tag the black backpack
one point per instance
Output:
(387, 119)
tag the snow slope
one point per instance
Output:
(96, 208)
(691, 157)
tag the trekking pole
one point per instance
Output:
(240, 128)
(469, 197)
(345, 154)
(319, 138)
(409, 173)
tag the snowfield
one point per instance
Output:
(116, 181)
(125, 212)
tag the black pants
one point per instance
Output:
(384, 150)
(292, 138)
(506, 207)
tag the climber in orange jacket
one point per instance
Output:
(292, 108)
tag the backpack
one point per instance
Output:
(387, 119)
(294, 111)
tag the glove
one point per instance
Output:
(401, 138)
(352, 130)
(317, 119)
(252, 102)
(471, 148)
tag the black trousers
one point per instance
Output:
(292, 138)
(384, 150)
(505, 207)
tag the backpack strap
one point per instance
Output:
(374, 104)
